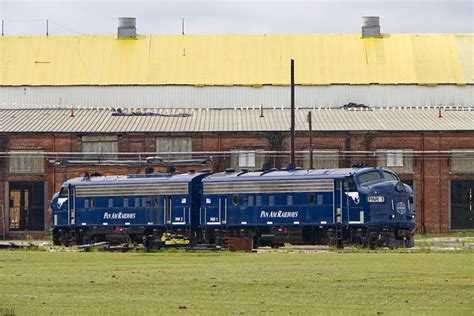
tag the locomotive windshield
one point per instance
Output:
(63, 192)
(389, 176)
(369, 177)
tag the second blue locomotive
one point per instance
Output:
(367, 206)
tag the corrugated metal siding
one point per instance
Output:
(230, 97)
(236, 59)
(229, 120)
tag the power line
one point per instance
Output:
(46, 21)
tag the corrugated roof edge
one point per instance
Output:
(260, 86)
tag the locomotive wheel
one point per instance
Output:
(372, 241)
(409, 242)
(64, 239)
(392, 242)
(56, 239)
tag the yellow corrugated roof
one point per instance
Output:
(236, 59)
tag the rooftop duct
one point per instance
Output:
(370, 26)
(127, 28)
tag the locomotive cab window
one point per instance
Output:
(63, 193)
(349, 184)
(369, 177)
(390, 176)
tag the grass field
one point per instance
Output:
(369, 283)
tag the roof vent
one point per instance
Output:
(127, 28)
(370, 26)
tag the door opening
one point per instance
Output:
(462, 204)
(26, 208)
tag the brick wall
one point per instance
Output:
(431, 176)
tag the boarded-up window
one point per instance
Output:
(394, 158)
(100, 147)
(26, 162)
(247, 159)
(399, 160)
(322, 159)
(462, 161)
(174, 145)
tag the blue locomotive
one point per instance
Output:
(366, 206)
(125, 208)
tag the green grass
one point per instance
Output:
(453, 234)
(36, 283)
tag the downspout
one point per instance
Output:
(439, 183)
(422, 162)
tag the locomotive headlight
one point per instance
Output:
(375, 198)
(399, 187)
(392, 216)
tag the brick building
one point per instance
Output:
(432, 150)
(76, 104)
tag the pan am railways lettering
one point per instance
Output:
(119, 215)
(278, 214)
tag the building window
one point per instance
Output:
(174, 144)
(394, 158)
(99, 147)
(247, 159)
(322, 159)
(26, 162)
(462, 160)
(399, 160)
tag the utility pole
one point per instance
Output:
(292, 128)
(310, 125)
